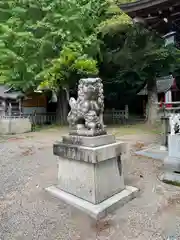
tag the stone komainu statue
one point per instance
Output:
(86, 114)
(174, 122)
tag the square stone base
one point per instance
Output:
(163, 148)
(172, 164)
(96, 211)
(90, 173)
(92, 182)
(170, 177)
(174, 146)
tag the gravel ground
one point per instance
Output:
(27, 212)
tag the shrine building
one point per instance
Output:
(162, 16)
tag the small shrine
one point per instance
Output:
(10, 100)
(167, 90)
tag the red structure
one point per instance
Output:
(167, 89)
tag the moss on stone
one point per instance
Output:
(174, 183)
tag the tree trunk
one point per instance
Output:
(62, 107)
(152, 113)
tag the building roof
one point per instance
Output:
(141, 5)
(8, 93)
(153, 12)
(163, 85)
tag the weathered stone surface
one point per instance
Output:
(91, 182)
(100, 210)
(86, 115)
(90, 174)
(174, 123)
(165, 132)
(94, 141)
(172, 164)
(174, 145)
(88, 133)
(170, 177)
(14, 125)
(172, 161)
(89, 154)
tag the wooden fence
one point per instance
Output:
(165, 109)
(116, 116)
(110, 117)
(42, 119)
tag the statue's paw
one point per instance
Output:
(73, 103)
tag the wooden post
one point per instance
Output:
(165, 132)
(126, 113)
(168, 99)
(20, 106)
(33, 121)
(113, 110)
(9, 110)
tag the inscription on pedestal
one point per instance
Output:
(77, 140)
(69, 152)
(88, 154)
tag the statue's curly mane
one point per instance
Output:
(99, 86)
(90, 99)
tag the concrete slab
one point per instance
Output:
(170, 177)
(174, 145)
(172, 164)
(97, 211)
(153, 152)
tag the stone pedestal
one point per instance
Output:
(172, 161)
(165, 132)
(90, 175)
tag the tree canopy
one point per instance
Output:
(50, 42)
(133, 57)
(135, 51)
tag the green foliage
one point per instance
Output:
(137, 55)
(68, 68)
(36, 39)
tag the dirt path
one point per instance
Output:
(27, 212)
